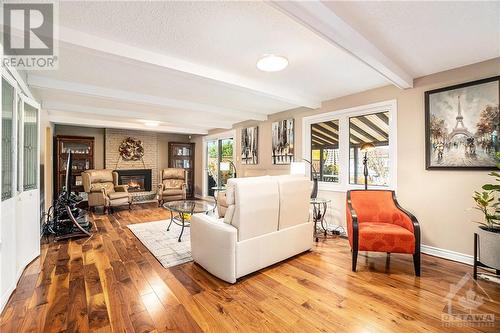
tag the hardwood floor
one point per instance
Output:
(111, 283)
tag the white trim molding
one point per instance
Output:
(342, 116)
(447, 254)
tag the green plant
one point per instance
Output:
(488, 201)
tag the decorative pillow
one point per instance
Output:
(228, 218)
(230, 195)
(221, 204)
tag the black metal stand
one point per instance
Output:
(477, 263)
(319, 212)
(365, 169)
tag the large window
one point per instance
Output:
(325, 151)
(333, 142)
(374, 129)
(30, 157)
(8, 102)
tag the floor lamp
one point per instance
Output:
(299, 168)
(365, 148)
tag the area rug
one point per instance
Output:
(163, 244)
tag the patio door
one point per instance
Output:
(219, 163)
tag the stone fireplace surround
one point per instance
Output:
(112, 160)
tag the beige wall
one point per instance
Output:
(441, 200)
(163, 140)
(97, 133)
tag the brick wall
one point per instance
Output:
(114, 137)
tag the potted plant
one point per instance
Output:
(487, 238)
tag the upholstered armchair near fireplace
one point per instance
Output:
(173, 185)
(103, 189)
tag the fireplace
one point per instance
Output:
(138, 180)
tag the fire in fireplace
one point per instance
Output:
(138, 180)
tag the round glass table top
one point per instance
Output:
(319, 201)
(189, 206)
(218, 188)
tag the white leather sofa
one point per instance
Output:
(267, 221)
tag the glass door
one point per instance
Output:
(219, 163)
(8, 141)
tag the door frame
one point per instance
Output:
(231, 134)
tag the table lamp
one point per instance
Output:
(226, 166)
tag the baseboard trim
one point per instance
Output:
(447, 254)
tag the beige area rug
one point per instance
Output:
(163, 244)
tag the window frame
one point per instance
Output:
(14, 138)
(343, 118)
(231, 134)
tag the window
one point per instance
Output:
(8, 98)
(332, 141)
(30, 157)
(325, 151)
(371, 128)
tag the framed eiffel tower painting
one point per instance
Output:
(462, 125)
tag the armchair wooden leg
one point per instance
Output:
(416, 263)
(354, 259)
(129, 206)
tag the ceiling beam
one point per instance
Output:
(193, 120)
(122, 50)
(59, 117)
(42, 82)
(321, 18)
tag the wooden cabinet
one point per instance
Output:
(82, 148)
(181, 155)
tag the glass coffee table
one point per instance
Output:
(185, 210)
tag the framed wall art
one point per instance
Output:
(462, 125)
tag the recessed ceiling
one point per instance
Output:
(193, 64)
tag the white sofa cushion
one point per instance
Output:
(256, 206)
(295, 193)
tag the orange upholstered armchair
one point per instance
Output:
(376, 222)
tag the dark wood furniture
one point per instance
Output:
(181, 155)
(82, 148)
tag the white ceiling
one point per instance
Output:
(191, 65)
(427, 37)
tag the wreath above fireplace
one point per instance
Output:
(131, 149)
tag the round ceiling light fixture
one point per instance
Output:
(272, 63)
(151, 123)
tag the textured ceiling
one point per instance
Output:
(428, 36)
(229, 37)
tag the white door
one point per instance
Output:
(28, 209)
(8, 262)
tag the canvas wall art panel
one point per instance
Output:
(283, 141)
(250, 145)
(462, 125)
